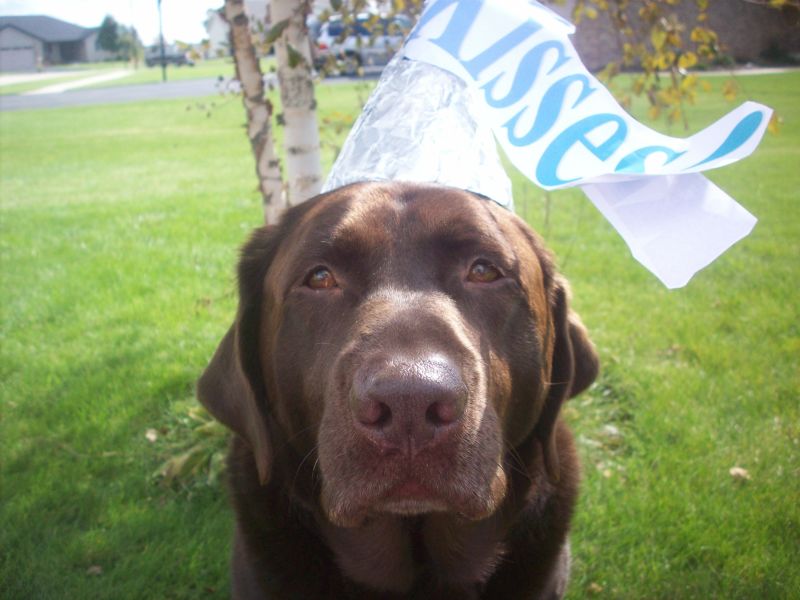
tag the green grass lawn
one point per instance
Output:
(119, 230)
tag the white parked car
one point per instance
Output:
(370, 41)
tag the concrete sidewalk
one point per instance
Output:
(745, 70)
(14, 78)
(57, 88)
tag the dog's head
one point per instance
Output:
(409, 340)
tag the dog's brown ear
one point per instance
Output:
(232, 387)
(227, 394)
(574, 368)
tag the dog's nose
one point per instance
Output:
(408, 405)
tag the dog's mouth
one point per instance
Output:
(414, 490)
(410, 498)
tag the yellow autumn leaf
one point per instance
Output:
(689, 82)
(687, 60)
(730, 90)
(774, 126)
(701, 34)
(675, 115)
(658, 37)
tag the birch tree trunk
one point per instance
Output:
(301, 134)
(259, 112)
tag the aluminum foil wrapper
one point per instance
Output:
(422, 124)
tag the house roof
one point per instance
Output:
(46, 29)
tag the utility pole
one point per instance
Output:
(161, 43)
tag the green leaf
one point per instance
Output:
(295, 58)
(275, 31)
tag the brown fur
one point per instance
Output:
(474, 499)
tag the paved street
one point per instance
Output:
(133, 93)
(112, 95)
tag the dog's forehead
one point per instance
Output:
(376, 215)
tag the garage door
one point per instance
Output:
(17, 59)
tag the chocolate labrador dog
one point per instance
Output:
(394, 377)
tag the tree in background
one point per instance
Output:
(661, 49)
(259, 111)
(130, 47)
(288, 35)
(108, 36)
(299, 107)
(123, 42)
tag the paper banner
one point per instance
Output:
(561, 128)
(674, 224)
(556, 122)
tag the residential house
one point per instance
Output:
(36, 41)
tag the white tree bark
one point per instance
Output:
(259, 112)
(301, 134)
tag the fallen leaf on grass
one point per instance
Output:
(739, 474)
(151, 435)
(611, 431)
(594, 588)
(94, 570)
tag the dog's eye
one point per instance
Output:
(483, 272)
(321, 279)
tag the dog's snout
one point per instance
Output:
(407, 405)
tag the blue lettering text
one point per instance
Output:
(549, 109)
(526, 75)
(547, 169)
(634, 162)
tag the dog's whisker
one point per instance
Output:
(516, 462)
(298, 433)
(302, 462)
